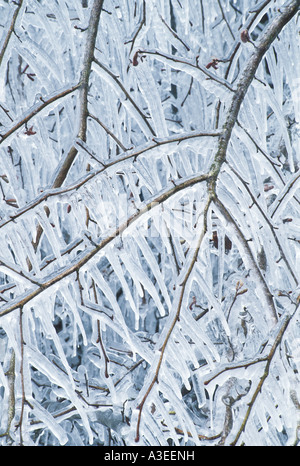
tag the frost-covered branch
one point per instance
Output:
(270, 307)
(243, 84)
(83, 90)
(245, 80)
(83, 87)
(11, 30)
(36, 109)
(131, 154)
(270, 224)
(50, 281)
(187, 66)
(258, 389)
(174, 319)
(116, 80)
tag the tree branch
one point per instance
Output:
(10, 30)
(83, 91)
(278, 339)
(87, 256)
(175, 319)
(130, 154)
(186, 66)
(243, 84)
(268, 295)
(128, 96)
(268, 221)
(37, 108)
(245, 81)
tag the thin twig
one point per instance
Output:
(37, 108)
(126, 93)
(238, 365)
(268, 221)
(132, 368)
(83, 91)
(225, 19)
(272, 314)
(87, 256)
(140, 27)
(184, 65)
(132, 154)
(238, 292)
(188, 92)
(106, 359)
(259, 387)
(175, 319)
(284, 193)
(174, 33)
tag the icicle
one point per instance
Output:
(182, 415)
(163, 409)
(41, 363)
(200, 338)
(150, 93)
(50, 422)
(103, 285)
(127, 104)
(68, 294)
(45, 316)
(115, 262)
(50, 231)
(141, 278)
(152, 262)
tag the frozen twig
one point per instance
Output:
(269, 223)
(285, 322)
(83, 91)
(36, 109)
(127, 95)
(87, 256)
(187, 66)
(175, 319)
(106, 164)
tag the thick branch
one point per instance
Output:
(285, 15)
(84, 84)
(65, 272)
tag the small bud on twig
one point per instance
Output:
(245, 37)
(213, 64)
(135, 58)
(29, 131)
